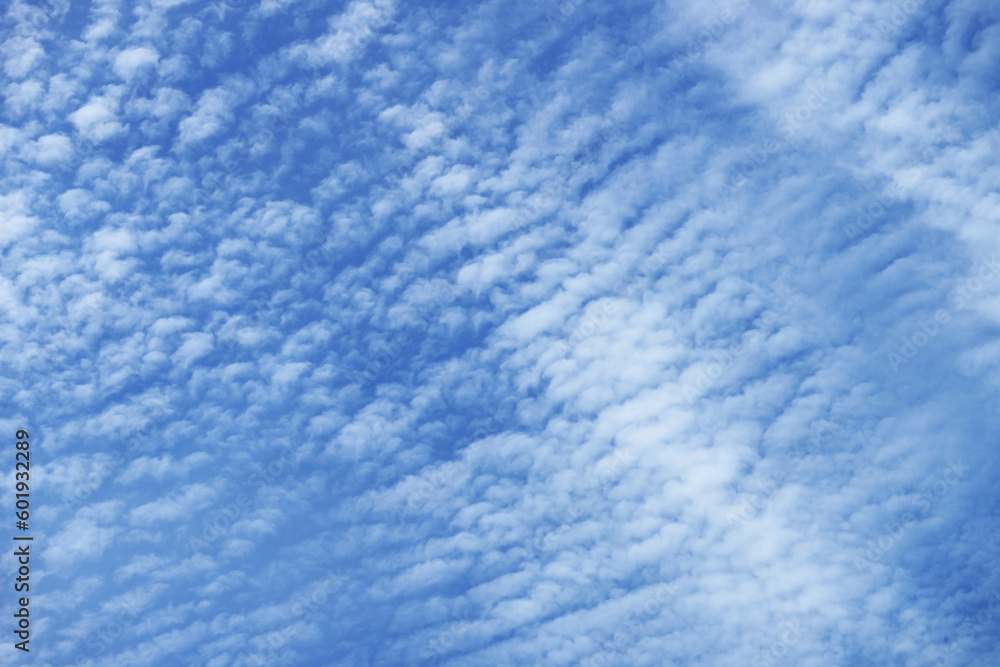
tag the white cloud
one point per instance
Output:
(130, 61)
(184, 503)
(98, 120)
(213, 112)
(22, 55)
(50, 150)
(81, 538)
(17, 216)
(195, 345)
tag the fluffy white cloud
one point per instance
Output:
(131, 60)
(98, 119)
(22, 55)
(50, 150)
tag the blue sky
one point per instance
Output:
(505, 333)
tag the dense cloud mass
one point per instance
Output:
(505, 333)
